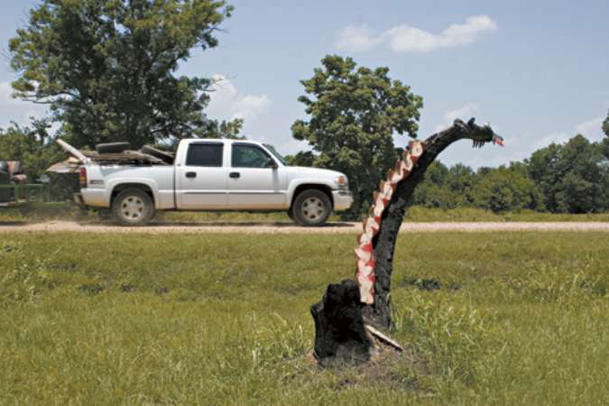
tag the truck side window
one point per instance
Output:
(204, 155)
(249, 156)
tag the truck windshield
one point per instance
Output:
(275, 153)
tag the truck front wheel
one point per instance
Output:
(311, 208)
(133, 207)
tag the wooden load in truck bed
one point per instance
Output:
(147, 155)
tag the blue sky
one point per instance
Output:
(537, 71)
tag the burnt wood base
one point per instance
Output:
(340, 334)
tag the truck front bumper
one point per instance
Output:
(343, 199)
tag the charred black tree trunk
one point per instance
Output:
(384, 243)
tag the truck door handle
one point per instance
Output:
(235, 175)
(191, 174)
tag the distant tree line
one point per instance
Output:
(561, 178)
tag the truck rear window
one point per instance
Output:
(204, 155)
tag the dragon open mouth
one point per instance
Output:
(498, 140)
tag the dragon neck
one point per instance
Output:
(435, 144)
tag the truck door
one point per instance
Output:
(255, 181)
(201, 182)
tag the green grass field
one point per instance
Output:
(519, 319)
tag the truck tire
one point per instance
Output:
(133, 207)
(311, 208)
(112, 147)
(166, 157)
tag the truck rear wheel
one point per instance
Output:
(133, 207)
(311, 208)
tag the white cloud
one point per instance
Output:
(228, 103)
(357, 39)
(251, 106)
(552, 138)
(410, 39)
(591, 129)
(464, 113)
(404, 38)
(15, 110)
(468, 33)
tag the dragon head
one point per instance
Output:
(480, 135)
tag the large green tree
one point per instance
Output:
(108, 68)
(507, 189)
(606, 126)
(354, 112)
(572, 177)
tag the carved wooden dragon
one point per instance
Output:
(335, 335)
(380, 229)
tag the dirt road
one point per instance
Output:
(287, 228)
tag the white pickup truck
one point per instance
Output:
(211, 175)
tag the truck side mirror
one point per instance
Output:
(272, 164)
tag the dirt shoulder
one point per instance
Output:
(288, 228)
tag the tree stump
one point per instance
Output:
(340, 334)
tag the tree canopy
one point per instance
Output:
(354, 112)
(108, 68)
(561, 178)
(507, 189)
(572, 177)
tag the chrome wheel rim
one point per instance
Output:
(132, 208)
(313, 209)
